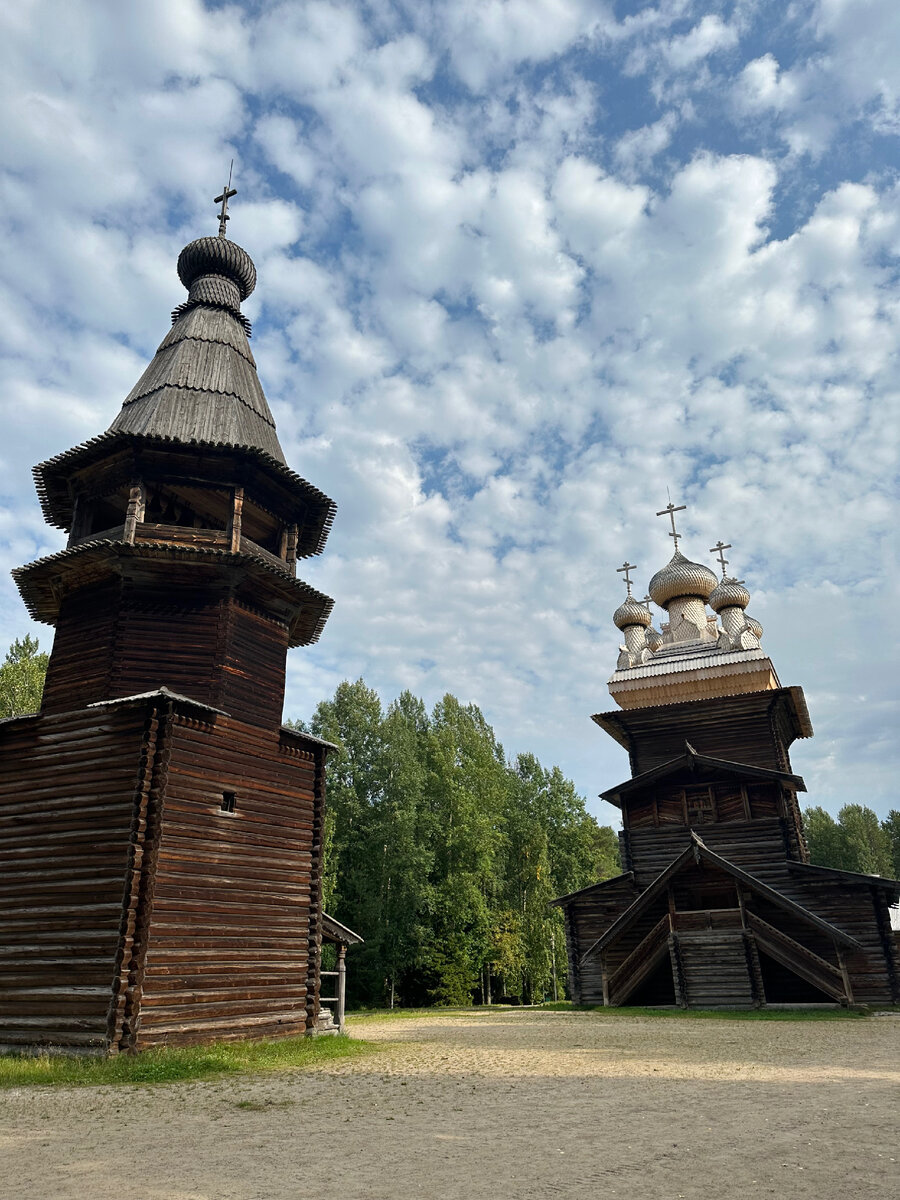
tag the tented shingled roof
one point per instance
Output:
(202, 386)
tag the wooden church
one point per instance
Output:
(160, 830)
(718, 905)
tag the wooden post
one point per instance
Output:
(134, 514)
(741, 905)
(604, 974)
(234, 527)
(80, 512)
(290, 555)
(342, 986)
(842, 963)
(553, 961)
(746, 802)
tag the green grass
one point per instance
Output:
(176, 1065)
(716, 1014)
(437, 1010)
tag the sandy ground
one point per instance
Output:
(504, 1104)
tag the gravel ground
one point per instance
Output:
(518, 1104)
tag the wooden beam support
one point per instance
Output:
(134, 514)
(845, 974)
(234, 526)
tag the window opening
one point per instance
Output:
(228, 802)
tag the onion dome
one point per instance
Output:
(631, 612)
(753, 625)
(654, 638)
(216, 271)
(728, 593)
(681, 577)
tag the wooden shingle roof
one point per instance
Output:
(202, 385)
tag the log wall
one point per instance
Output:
(748, 728)
(114, 641)
(134, 910)
(233, 935)
(68, 787)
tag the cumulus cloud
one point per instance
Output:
(522, 267)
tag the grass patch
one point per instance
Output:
(395, 1014)
(717, 1014)
(176, 1065)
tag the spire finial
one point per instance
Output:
(623, 570)
(721, 547)
(227, 192)
(672, 509)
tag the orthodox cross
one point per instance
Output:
(646, 601)
(227, 192)
(672, 509)
(721, 547)
(623, 570)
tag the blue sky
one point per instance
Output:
(523, 266)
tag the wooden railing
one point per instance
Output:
(341, 998)
(184, 535)
(639, 963)
(248, 546)
(791, 954)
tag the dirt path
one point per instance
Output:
(505, 1104)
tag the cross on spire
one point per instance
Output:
(646, 601)
(623, 570)
(672, 509)
(227, 192)
(721, 547)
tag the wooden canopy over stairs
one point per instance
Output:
(714, 954)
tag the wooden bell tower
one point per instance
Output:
(160, 830)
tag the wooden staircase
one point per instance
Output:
(715, 970)
(809, 966)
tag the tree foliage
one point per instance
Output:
(856, 841)
(445, 856)
(22, 676)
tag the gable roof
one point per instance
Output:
(695, 762)
(593, 887)
(838, 875)
(334, 931)
(697, 851)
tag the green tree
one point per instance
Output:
(825, 839)
(868, 845)
(22, 677)
(854, 842)
(891, 826)
(443, 856)
(403, 853)
(466, 786)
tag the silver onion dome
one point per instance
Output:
(753, 625)
(631, 612)
(681, 577)
(728, 593)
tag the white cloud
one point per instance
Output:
(494, 322)
(709, 36)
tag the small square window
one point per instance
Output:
(228, 801)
